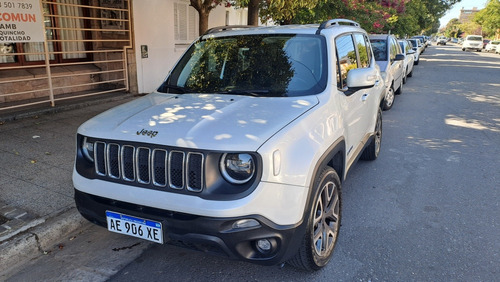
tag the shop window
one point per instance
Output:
(66, 30)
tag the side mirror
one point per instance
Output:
(411, 51)
(362, 77)
(399, 57)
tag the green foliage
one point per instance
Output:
(489, 18)
(453, 28)
(401, 17)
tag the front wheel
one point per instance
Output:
(388, 99)
(323, 223)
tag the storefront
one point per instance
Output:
(96, 47)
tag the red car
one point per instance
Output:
(485, 42)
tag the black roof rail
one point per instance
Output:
(329, 23)
(225, 28)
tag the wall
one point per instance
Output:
(153, 26)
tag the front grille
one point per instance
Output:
(144, 165)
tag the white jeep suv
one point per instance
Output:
(244, 147)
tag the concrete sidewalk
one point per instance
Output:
(37, 156)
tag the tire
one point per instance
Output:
(400, 89)
(388, 99)
(463, 49)
(372, 151)
(411, 73)
(416, 62)
(323, 222)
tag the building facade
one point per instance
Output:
(95, 47)
(466, 15)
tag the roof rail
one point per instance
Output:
(329, 23)
(226, 27)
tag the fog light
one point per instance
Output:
(264, 245)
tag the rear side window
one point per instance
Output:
(346, 58)
(363, 50)
(394, 49)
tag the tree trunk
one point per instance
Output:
(203, 17)
(253, 12)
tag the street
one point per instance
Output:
(427, 209)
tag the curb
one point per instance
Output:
(38, 240)
(29, 112)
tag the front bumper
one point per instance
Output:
(208, 234)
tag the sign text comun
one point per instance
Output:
(21, 21)
(17, 17)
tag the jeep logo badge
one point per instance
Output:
(149, 133)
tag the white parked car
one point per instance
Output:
(409, 60)
(390, 59)
(492, 46)
(243, 148)
(441, 40)
(417, 47)
(497, 51)
(473, 42)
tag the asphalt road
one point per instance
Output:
(428, 209)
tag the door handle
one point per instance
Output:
(364, 97)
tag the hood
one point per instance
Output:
(200, 121)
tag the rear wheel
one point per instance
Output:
(411, 73)
(400, 89)
(371, 152)
(323, 223)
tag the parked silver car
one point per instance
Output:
(409, 60)
(390, 59)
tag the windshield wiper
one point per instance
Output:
(255, 93)
(179, 89)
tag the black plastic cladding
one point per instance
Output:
(213, 185)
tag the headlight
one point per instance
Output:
(237, 168)
(88, 149)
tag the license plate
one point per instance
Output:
(134, 226)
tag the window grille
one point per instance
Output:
(84, 54)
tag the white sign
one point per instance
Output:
(21, 21)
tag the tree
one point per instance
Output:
(284, 11)
(452, 28)
(489, 18)
(204, 7)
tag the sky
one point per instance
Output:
(454, 12)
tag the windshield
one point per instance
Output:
(379, 47)
(475, 38)
(257, 65)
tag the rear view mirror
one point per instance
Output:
(362, 78)
(399, 57)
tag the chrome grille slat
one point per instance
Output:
(100, 158)
(145, 165)
(194, 172)
(159, 166)
(113, 160)
(127, 162)
(176, 169)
